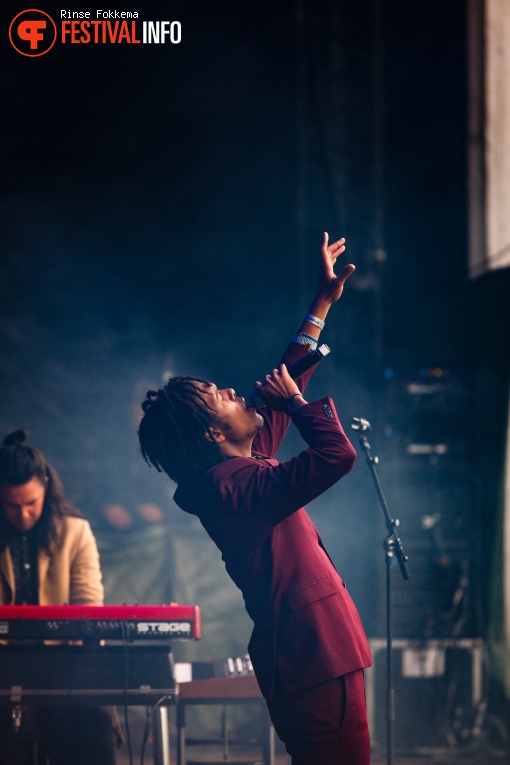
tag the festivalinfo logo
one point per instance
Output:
(34, 32)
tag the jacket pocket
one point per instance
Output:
(313, 592)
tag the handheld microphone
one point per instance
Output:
(296, 370)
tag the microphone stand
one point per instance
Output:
(392, 547)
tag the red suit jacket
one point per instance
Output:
(305, 622)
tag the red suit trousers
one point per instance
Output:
(325, 724)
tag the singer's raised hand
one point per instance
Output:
(331, 285)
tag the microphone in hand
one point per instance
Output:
(295, 371)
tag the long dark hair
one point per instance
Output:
(173, 430)
(19, 463)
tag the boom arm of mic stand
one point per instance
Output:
(393, 540)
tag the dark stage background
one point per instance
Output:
(162, 210)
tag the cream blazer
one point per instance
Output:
(70, 576)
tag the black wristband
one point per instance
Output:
(289, 399)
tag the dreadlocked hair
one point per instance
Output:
(173, 430)
(19, 463)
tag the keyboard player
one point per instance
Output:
(48, 556)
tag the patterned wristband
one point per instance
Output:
(301, 338)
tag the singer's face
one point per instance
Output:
(237, 422)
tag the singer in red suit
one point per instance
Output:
(308, 646)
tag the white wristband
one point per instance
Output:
(315, 320)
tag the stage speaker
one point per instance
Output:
(438, 685)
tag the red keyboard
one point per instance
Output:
(140, 623)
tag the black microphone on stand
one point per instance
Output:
(296, 370)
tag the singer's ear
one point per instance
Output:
(214, 435)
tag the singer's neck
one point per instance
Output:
(229, 449)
